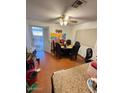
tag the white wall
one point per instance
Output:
(95, 51)
(84, 26)
(87, 35)
(29, 40)
(52, 27)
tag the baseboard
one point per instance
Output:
(47, 52)
(81, 56)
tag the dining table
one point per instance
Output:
(67, 49)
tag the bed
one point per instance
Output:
(73, 80)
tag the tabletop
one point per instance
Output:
(67, 47)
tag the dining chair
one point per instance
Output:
(58, 49)
(89, 54)
(68, 42)
(77, 43)
(53, 46)
(74, 52)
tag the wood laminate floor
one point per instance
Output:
(49, 64)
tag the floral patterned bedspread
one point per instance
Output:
(73, 80)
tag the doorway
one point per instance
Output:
(38, 40)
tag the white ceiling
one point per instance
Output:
(48, 10)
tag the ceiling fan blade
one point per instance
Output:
(73, 21)
(52, 19)
(83, 18)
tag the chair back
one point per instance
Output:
(58, 49)
(53, 46)
(89, 53)
(75, 49)
(77, 43)
(68, 42)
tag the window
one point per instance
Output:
(37, 31)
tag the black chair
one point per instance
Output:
(68, 42)
(58, 50)
(53, 47)
(77, 43)
(74, 52)
(89, 54)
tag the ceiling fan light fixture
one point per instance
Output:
(66, 17)
(61, 23)
(63, 20)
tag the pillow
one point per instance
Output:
(94, 64)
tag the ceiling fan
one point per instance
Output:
(65, 20)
